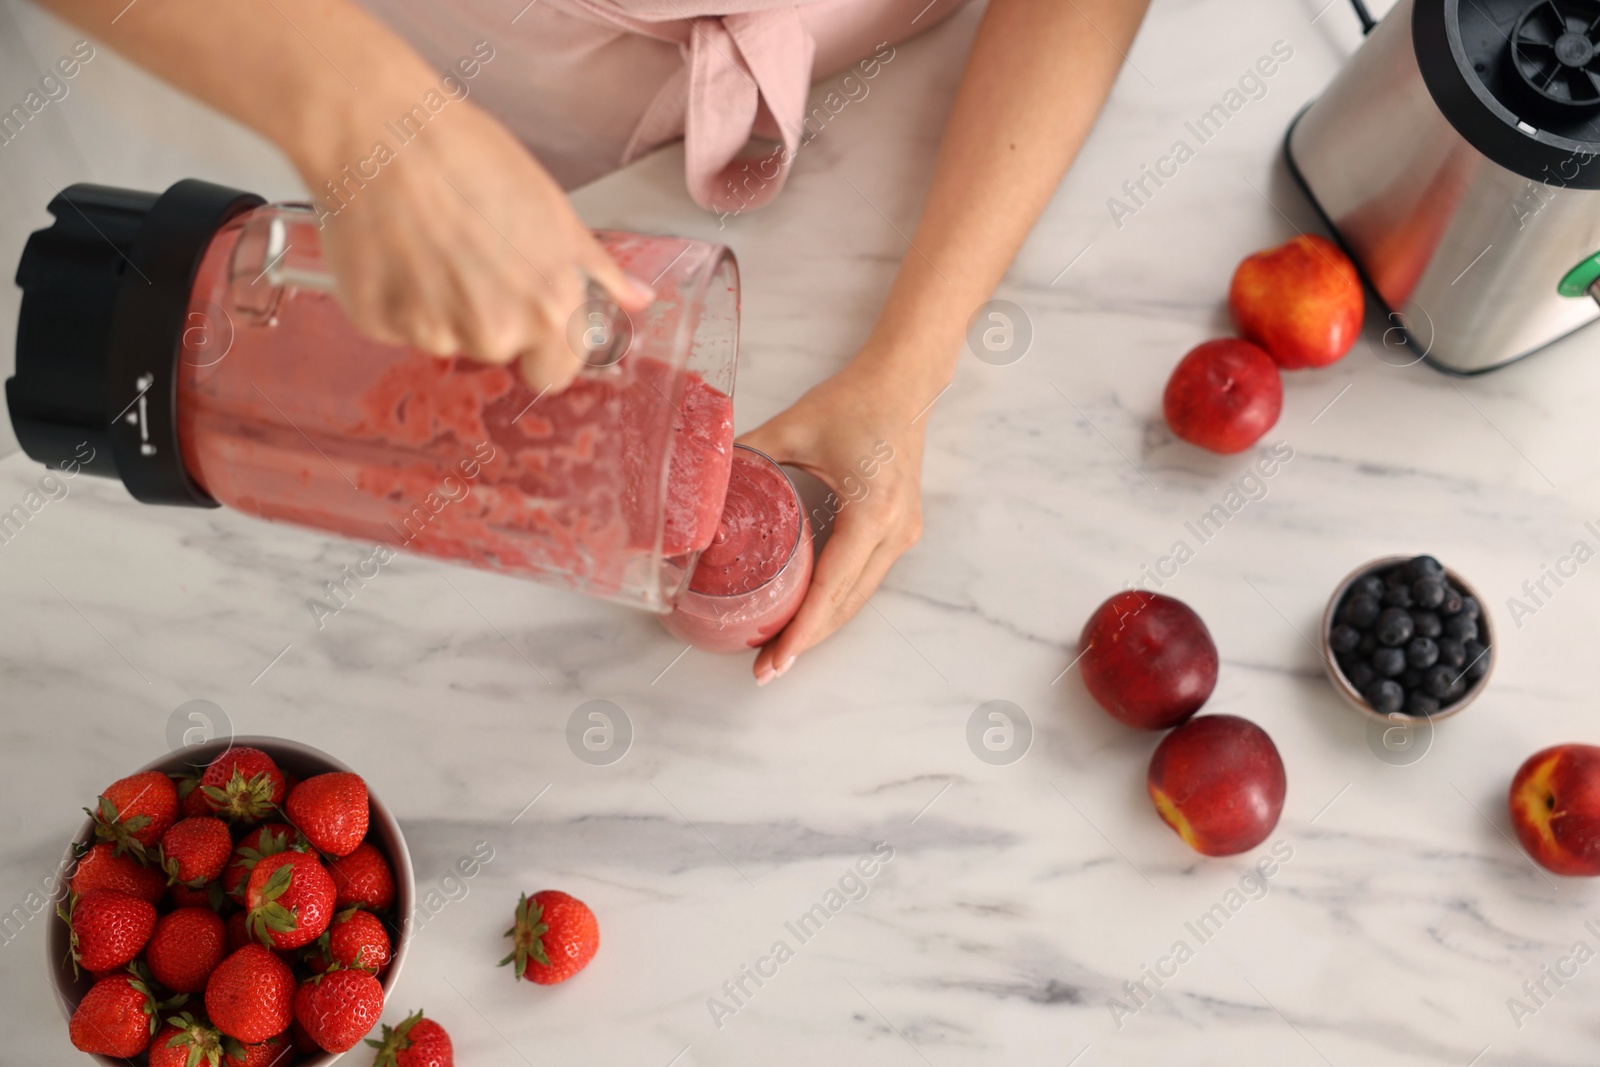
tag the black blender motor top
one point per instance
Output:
(1555, 48)
(1519, 80)
(105, 299)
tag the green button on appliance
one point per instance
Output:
(1581, 277)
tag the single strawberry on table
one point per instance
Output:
(117, 1017)
(290, 900)
(243, 785)
(250, 996)
(268, 839)
(355, 939)
(555, 937)
(417, 1042)
(107, 929)
(135, 811)
(186, 947)
(363, 878)
(338, 1007)
(101, 867)
(331, 810)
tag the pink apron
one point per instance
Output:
(589, 85)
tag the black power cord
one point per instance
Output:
(1367, 21)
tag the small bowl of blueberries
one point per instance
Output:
(1403, 635)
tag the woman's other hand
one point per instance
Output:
(861, 434)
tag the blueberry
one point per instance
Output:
(1386, 697)
(1371, 585)
(1398, 597)
(1452, 653)
(1442, 682)
(1388, 662)
(1369, 643)
(1410, 678)
(1344, 638)
(1426, 624)
(1423, 567)
(1393, 626)
(1461, 627)
(1422, 652)
(1420, 703)
(1394, 577)
(1451, 604)
(1477, 659)
(1469, 607)
(1427, 592)
(1361, 675)
(1360, 611)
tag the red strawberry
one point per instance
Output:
(238, 932)
(117, 1017)
(102, 868)
(209, 895)
(363, 878)
(555, 936)
(108, 928)
(331, 810)
(417, 1042)
(186, 1042)
(338, 1008)
(192, 800)
(135, 811)
(275, 1051)
(243, 784)
(250, 996)
(355, 939)
(186, 947)
(265, 840)
(290, 899)
(194, 851)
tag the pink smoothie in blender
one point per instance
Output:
(752, 577)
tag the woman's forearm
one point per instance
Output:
(1037, 76)
(305, 74)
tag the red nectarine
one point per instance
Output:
(1148, 659)
(1555, 808)
(1223, 395)
(1219, 782)
(1301, 301)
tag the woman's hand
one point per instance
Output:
(861, 434)
(460, 243)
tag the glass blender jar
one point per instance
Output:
(192, 339)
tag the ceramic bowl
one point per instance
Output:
(1349, 692)
(302, 761)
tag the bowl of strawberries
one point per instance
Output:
(238, 904)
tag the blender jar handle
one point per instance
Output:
(280, 248)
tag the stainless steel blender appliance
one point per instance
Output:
(1457, 158)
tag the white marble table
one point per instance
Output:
(1019, 898)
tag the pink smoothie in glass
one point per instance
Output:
(752, 577)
